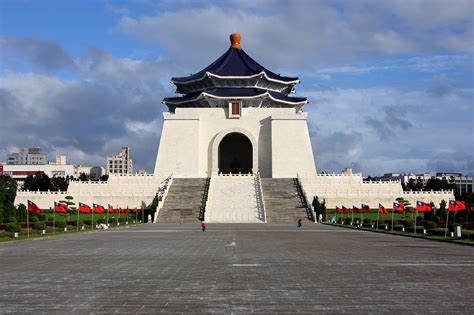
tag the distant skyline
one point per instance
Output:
(390, 83)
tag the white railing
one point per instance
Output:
(162, 193)
(208, 200)
(305, 196)
(235, 175)
(427, 192)
(37, 192)
(260, 199)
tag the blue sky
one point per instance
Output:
(390, 82)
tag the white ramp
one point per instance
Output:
(234, 199)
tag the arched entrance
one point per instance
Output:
(235, 154)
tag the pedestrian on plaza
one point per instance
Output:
(203, 226)
(299, 223)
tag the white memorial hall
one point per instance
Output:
(235, 148)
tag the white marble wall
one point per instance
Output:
(119, 191)
(187, 146)
(350, 190)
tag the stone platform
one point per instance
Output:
(235, 269)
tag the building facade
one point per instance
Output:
(463, 183)
(235, 116)
(120, 163)
(27, 156)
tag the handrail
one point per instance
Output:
(161, 194)
(208, 200)
(305, 196)
(260, 192)
(204, 203)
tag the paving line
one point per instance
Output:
(428, 265)
(209, 231)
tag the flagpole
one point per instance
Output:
(136, 216)
(92, 223)
(27, 223)
(77, 227)
(378, 214)
(352, 216)
(107, 216)
(54, 222)
(392, 219)
(414, 230)
(447, 218)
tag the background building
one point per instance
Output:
(96, 172)
(463, 182)
(61, 160)
(27, 156)
(121, 163)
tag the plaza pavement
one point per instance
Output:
(235, 269)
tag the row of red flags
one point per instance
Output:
(454, 205)
(84, 208)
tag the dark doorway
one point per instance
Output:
(235, 154)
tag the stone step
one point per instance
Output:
(184, 200)
(282, 202)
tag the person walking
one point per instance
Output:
(299, 223)
(203, 226)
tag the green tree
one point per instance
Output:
(413, 184)
(406, 204)
(438, 184)
(39, 181)
(21, 212)
(442, 211)
(84, 177)
(59, 183)
(8, 188)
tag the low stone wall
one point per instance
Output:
(119, 191)
(350, 190)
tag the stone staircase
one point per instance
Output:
(283, 201)
(184, 200)
(234, 199)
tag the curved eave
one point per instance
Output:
(210, 74)
(205, 95)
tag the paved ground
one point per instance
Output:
(235, 269)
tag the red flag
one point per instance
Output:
(455, 205)
(84, 208)
(382, 209)
(366, 208)
(98, 208)
(127, 212)
(59, 208)
(338, 210)
(32, 207)
(111, 209)
(422, 207)
(344, 209)
(117, 213)
(398, 207)
(355, 209)
(136, 211)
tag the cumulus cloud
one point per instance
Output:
(388, 129)
(44, 55)
(109, 103)
(305, 32)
